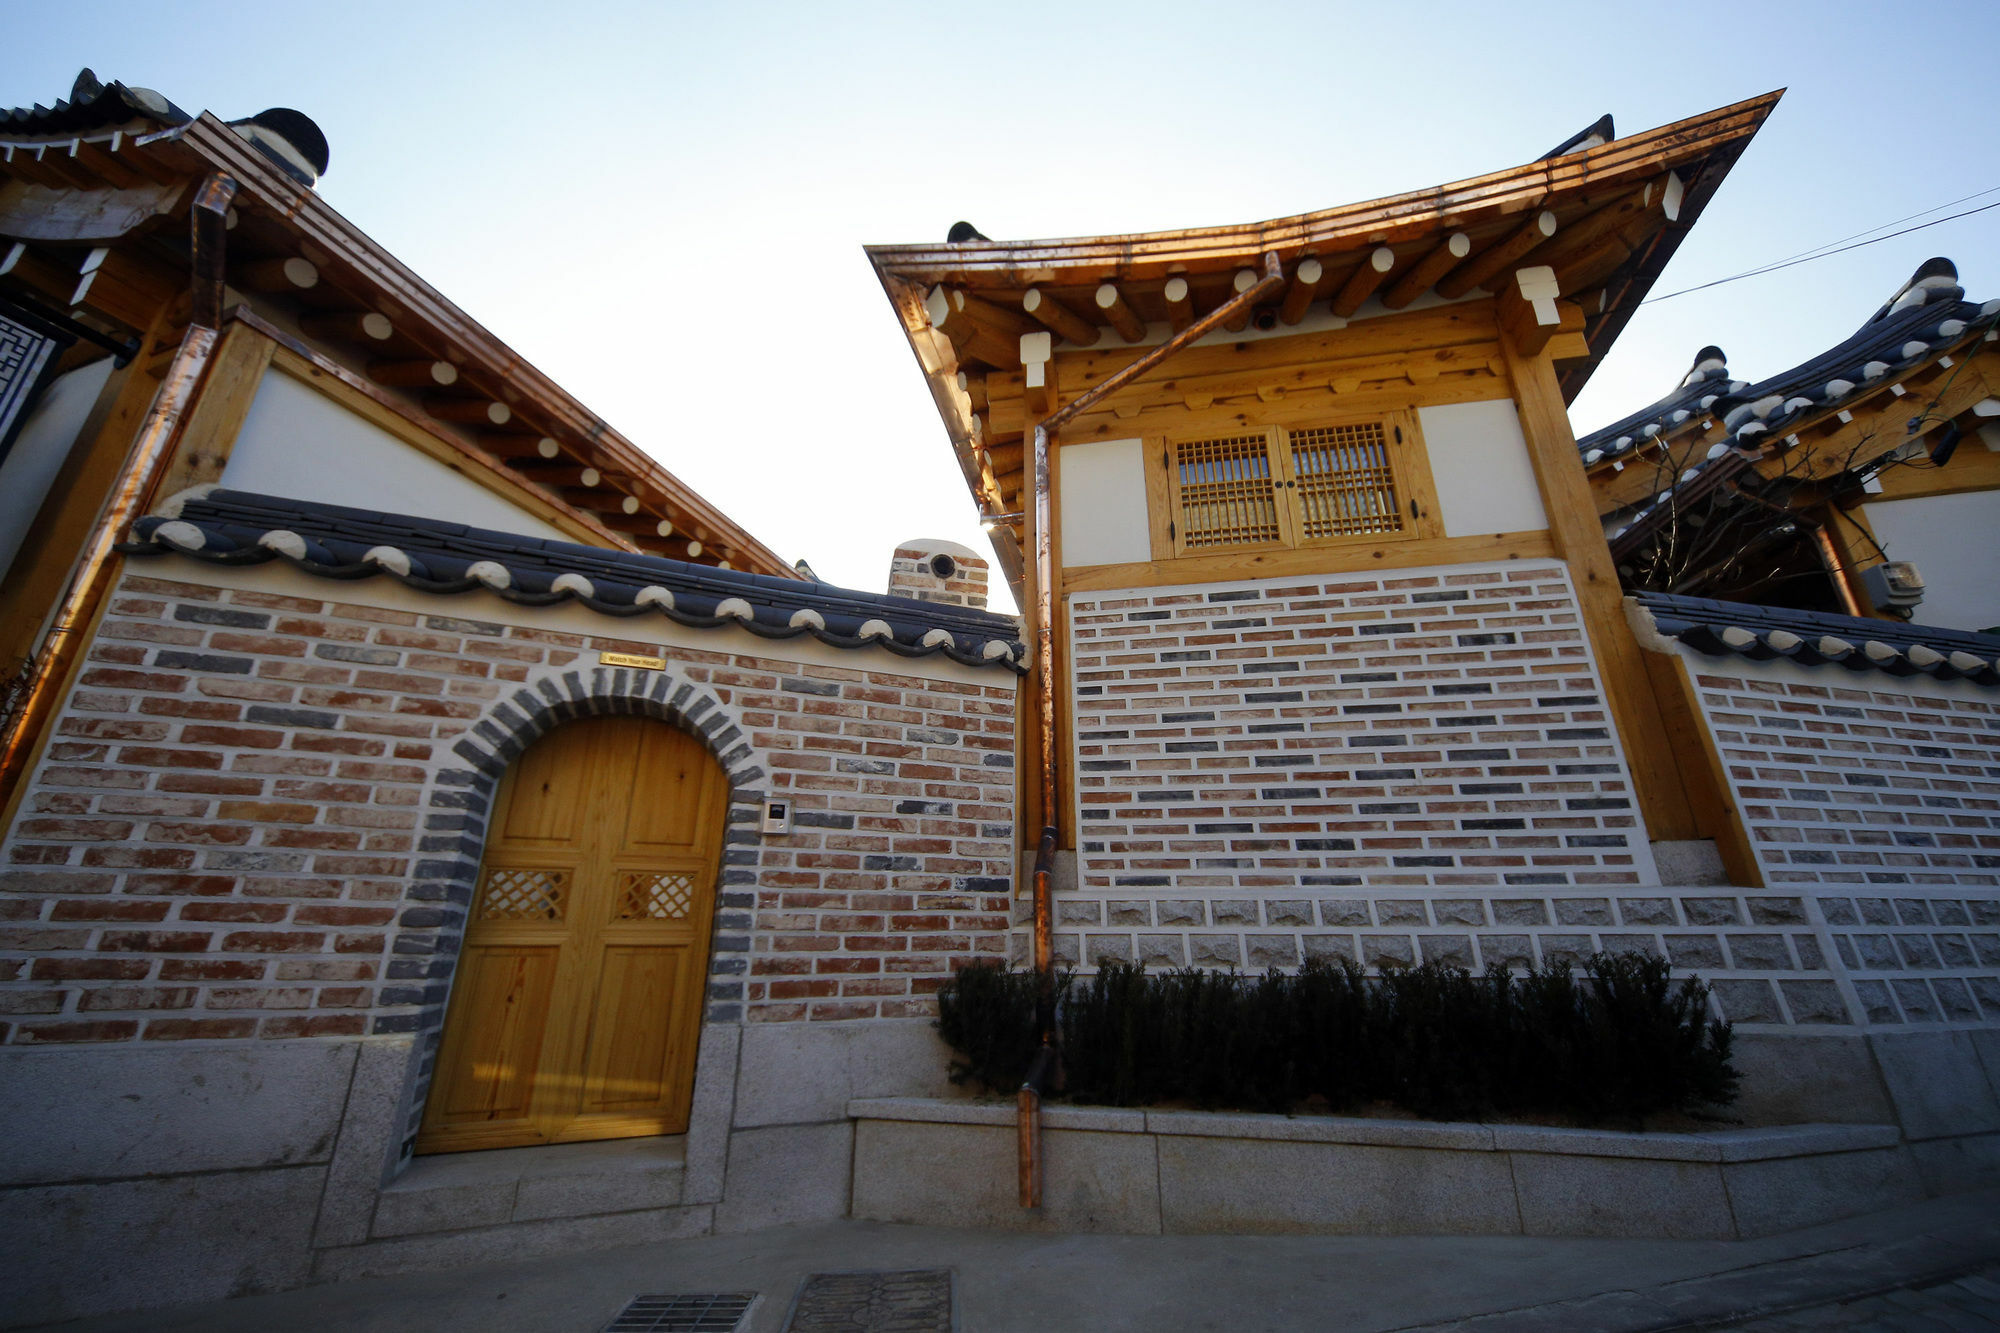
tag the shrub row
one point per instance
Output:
(1621, 1041)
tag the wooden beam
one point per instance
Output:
(1489, 262)
(1245, 279)
(1421, 276)
(1579, 541)
(973, 384)
(1121, 316)
(1306, 279)
(469, 411)
(1528, 311)
(210, 432)
(355, 326)
(1059, 318)
(1038, 373)
(32, 270)
(413, 374)
(82, 217)
(557, 475)
(275, 275)
(1180, 302)
(1361, 284)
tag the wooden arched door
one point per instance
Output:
(579, 992)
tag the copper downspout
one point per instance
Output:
(208, 226)
(1836, 568)
(1028, 1110)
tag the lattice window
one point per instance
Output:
(1278, 487)
(1227, 491)
(514, 894)
(1346, 486)
(649, 896)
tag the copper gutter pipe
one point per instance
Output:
(1028, 1110)
(208, 227)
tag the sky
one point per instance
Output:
(663, 206)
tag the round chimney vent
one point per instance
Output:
(943, 566)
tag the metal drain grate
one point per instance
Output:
(909, 1302)
(703, 1313)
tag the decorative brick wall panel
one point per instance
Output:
(260, 816)
(1276, 738)
(1860, 778)
(1879, 798)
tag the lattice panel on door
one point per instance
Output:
(514, 894)
(1345, 485)
(645, 895)
(1226, 493)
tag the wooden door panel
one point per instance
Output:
(675, 796)
(548, 791)
(579, 998)
(487, 1077)
(627, 1069)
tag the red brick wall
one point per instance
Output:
(259, 814)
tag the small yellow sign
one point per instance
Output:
(633, 660)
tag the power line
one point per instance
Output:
(1894, 222)
(1826, 254)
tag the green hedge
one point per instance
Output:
(1623, 1040)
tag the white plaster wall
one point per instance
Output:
(40, 449)
(300, 444)
(1104, 503)
(1955, 542)
(1479, 461)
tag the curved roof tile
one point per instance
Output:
(226, 527)
(1814, 638)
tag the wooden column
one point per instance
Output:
(1578, 538)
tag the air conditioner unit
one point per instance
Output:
(1894, 587)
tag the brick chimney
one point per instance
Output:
(934, 570)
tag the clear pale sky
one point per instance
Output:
(663, 206)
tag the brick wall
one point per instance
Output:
(1879, 798)
(260, 811)
(1307, 738)
(912, 574)
(1863, 778)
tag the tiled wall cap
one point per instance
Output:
(1829, 646)
(1922, 656)
(808, 618)
(1738, 637)
(875, 629)
(389, 558)
(573, 582)
(938, 638)
(654, 595)
(1967, 663)
(181, 536)
(735, 608)
(1783, 640)
(1878, 651)
(489, 572)
(284, 543)
(996, 649)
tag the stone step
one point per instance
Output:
(456, 1191)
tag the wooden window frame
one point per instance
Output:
(1409, 468)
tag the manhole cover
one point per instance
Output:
(702, 1313)
(913, 1302)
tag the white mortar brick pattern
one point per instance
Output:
(1840, 779)
(1439, 728)
(259, 815)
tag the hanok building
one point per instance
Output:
(549, 807)
(556, 817)
(1837, 485)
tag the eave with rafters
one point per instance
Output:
(1606, 219)
(93, 206)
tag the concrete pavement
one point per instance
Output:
(1010, 1281)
